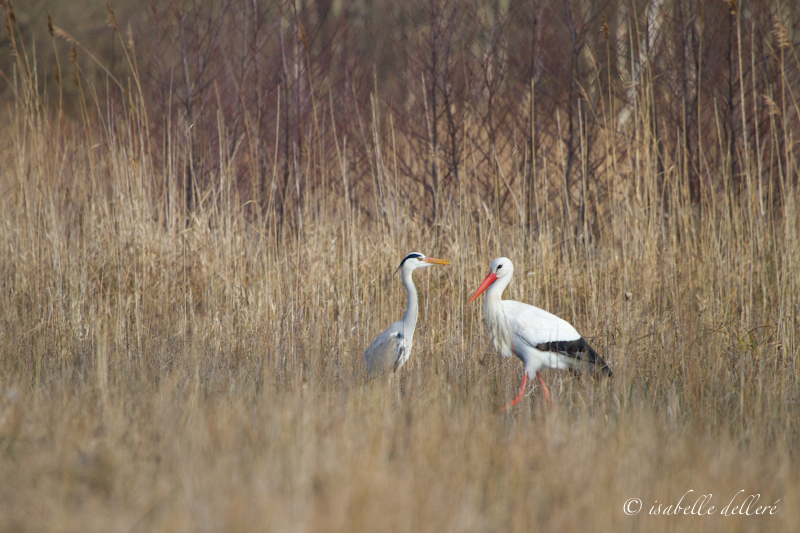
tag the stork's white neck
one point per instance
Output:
(494, 318)
(494, 293)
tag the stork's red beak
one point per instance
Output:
(491, 278)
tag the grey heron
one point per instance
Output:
(392, 348)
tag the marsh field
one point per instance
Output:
(202, 205)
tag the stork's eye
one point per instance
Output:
(499, 267)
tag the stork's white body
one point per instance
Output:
(540, 339)
(517, 329)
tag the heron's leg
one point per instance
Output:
(394, 386)
(521, 393)
(545, 389)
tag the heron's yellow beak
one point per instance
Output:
(436, 261)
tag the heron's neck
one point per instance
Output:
(410, 318)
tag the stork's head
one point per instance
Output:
(501, 268)
(416, 260)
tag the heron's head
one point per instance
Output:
(416, 260)
(501, 268)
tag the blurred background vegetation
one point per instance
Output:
(86, 21)
(519, 85)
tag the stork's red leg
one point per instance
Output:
(545, 389)
(521, 393)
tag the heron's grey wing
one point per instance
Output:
(384, 352)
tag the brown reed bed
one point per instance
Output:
(176, 366)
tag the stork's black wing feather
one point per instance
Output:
(578, 349)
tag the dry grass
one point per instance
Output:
(171, 371)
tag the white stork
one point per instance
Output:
(539, 338)
(392, 348)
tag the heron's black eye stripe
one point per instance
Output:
(413, 255)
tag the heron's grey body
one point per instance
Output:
(392, 349)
